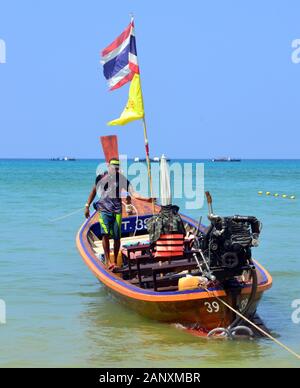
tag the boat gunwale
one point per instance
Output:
(123, 287)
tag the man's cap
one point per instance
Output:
(114, 162)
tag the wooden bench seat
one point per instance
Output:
(147, 276)
(141, 262)
(149, 267)
(165, 281)
(176, 267)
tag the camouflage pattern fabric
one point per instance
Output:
(167, 221)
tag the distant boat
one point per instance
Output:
(156, 159)
(65, 159)
(226, 159)
(68, 159)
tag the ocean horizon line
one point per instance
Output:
(132, 158)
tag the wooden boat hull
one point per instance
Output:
(192, 306)
(206, 311)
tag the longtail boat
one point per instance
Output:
(188, 273)
(153, 289)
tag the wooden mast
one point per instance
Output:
(146, 141)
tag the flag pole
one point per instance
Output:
(148, 163)
(146, 141)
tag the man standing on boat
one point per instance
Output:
(109, 187)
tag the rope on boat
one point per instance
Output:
(67, 215)
(136, 215)
(254, 325)
(82, 208)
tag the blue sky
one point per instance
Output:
(217, 78)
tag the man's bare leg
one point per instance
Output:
(106, 248)
(117, 244)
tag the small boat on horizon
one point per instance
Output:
(226, 159)
(155, 159)
(64, 159)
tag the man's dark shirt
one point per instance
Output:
(109, 188)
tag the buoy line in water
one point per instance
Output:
(277, 195)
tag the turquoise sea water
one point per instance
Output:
(59, 315)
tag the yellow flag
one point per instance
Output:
(134, 109)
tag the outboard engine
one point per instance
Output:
(223, 253)
(226, 246)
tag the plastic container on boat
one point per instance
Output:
(119, 259)
(191, 282)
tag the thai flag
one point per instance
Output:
(119, 59)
